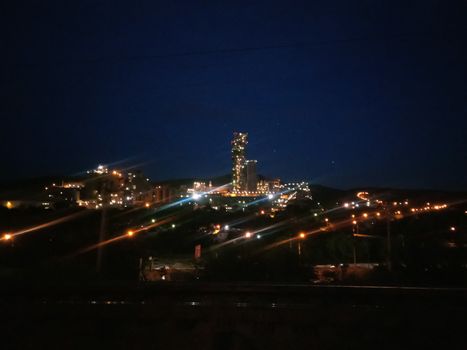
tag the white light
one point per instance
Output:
(270, 196)
(196, 196)
(226, 227)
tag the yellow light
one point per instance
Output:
(365, 215)
(302, 235)
(354, 222)
(9, 205)
(147, 205)
(130, 233)
(7, 236)
(378, 214)
(353, 215)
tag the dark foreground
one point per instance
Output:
(231, 316)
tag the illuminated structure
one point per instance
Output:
(239, 143)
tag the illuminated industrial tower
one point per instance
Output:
(239, 143)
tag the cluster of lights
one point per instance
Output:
(363, 196)
(429, 207)
(353, 205)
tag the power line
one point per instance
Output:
(207, 52)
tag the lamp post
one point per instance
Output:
(355, 227)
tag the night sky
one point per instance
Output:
(341, 93)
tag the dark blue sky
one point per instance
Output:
(343, 93)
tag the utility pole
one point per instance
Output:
(103, 228)
(354, 248)
(388, 239)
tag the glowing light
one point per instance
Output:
(9, 205)
(173, 225)
(354, 222)
(346, 205)
(378, 214)
(153, 220)
(327, 220)
(452, 228)
(196, 196)
(130, 233)
(226, 227)
(302, 235)
(365, 215)
(147, 205)
(258, 236)
(7, 236)
(248, 234)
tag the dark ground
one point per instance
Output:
(232, 316)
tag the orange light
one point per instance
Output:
(302, 235)
(365, 215)
(7, 236)
(248, 234)
(326, 219)
(147, 205)
(354, 222)
(9, 205)
(130, 233)
(378, 214)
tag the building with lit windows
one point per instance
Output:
(239, 143)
